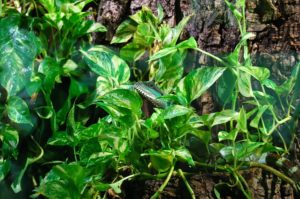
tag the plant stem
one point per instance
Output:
(275, 172)
(162, 187)
(279, 123)
(187, 184)
(211, 55)
(74, 152)
(222, 168)
(241, 181)
(150, 176)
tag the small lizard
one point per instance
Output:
(151, 93)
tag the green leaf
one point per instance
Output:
(233, 58)
(244, 84)
(164, 30)
(124, 32)
(172, 37)
(5, 167)
(52, 70)
(16, 185)
(115, 186)
(160, 12)
(287, 87)
(198, 81)
(246, 149)
(144, 35)
(224, 117)
(270, 84)
(204, 136)
(259, 73)
(34, 86)
(77, 88)
(242, 121)
(123, 105)
(49, 5)
(132, 52)
(255, 122)
(10, 138)
(161, 160)
(104, 62)
(85, 27)
(44, 112)
(123, 98)
(96, 27)
(90, 132)
(60, 138)
(100, 158)
(191, 43)
(162, 53)
(18, 49)
(242, 150)
(63, 181)
(227, 152)
(187, 44)
(184, 155)
(88, 147)
(104, 85)
(226, 88)
(236, 13)
(231, 136)
(217, 193)
(264, 98)
(144, 15)
(69, 66)
(175, 111)
(18, 111)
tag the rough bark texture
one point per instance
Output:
(276, 45)
(277, 28)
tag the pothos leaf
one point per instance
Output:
(244, 84)
(52, 70)
(187, 44)
(123, 98)
(224, 116)
(18, 49)
(66, 181)
(10, 138)
(242, 121)
(161, 160)
(175, 111)
(255, 122)
(18, 111)
(185, 155)
(123, 105)
(124, 32)
(16, 185)
(132, 52)
(226, 88)
(198, 81)
(173, 35)
(259, 73)
(104, 62)
(4, 168)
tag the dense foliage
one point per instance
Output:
(72, 115)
